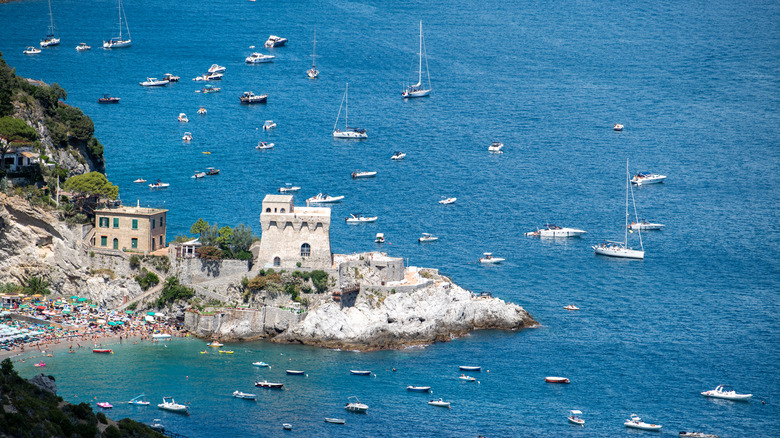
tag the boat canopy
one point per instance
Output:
(576, 412)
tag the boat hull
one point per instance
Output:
(646, 226)
(116, 44)
(418, 388)
(417, 93)
(469, 368)
(350, 134)
(623, 253)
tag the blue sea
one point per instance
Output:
(696, 84)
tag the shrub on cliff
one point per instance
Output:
(92, 184)
(209, 253)
(147, 279)
(320, 280)
(173, 291)
(36, 285)
(13, 129)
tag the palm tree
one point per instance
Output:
(36, 285)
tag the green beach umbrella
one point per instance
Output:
(150, 313)
(74, 297)
(81, 300)
(129, 312)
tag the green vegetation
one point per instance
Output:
(233, 243)
(36, 285)
(135, 262)
(92, 184)
(15, 130)
(30, 411)
(11, 288)
(173, 290)
(147, 279)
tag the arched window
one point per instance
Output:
(268, 210)
(305, 250)
(281, 211)
(277, 261)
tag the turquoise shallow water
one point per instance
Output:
(696, 85)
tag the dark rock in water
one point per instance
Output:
(46, 383)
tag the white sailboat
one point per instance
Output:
(417, 90)
(347, 132)
(52, 39)
(621, 249)
(313, 73)
(120, 41)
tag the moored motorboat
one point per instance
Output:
(216, 68)
(335, 420)
(270, 385)
(171, 77)
(108, 99)
(264, 145)
(643, 178)
(30, 50)
(469, 368)
(198, 174)
(140, 180)
(105, 405)
(467, 378)
(398, 156)
(138, 402)
(288, 188)
(261, 364)
(83, 47)
(275, 41)
(426, 237)
(359, 219)
(617, 127)
(684, 434)
(269, 124)
(726, 393)
(169, 404)
(354, 405)
(286, 426)
(636, 423)
(157, 426)
(103, 350)
(574, 417)
(321, 198)
(202, 110)
(360, 372)
(418, 388)
(244, 395)
(250, 97)
(183, 118)
(552, 230)
(154, 82)
(554, 379)
(159, 185)
(489, 259)
(446, 201)
(495, 147)
(571, 307)
(258, 58)
(212, 171)
(214, 344)
(440, 403)
(380, 238)
(363, 174)
(208, 88)
(295, 372)
(645, 225)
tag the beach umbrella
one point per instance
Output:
(74, 297)
(111, 323)
(129, 312)
(81, 300)
(150, 313)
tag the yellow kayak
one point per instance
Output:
(226, 351)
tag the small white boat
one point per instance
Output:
(295, 372)
(574, 417)
(554, 379)
(684, 434)
(489, 259)
(138, 402)
(380, 238)
(360, 372)
(445, 201)
(617, 127)
(275, 41)
(169, 404)
(440, 403)
(418, 388)
(469, 368)
(202, 110)
(171, 77)
(208, 88)
(157, 426)
(354, 405)
(358, 174)
(216, 68)
(466, 378)
(214, 76)
(269, 124)
(31, 50)
(359, 219)
(321, 198)
(267, 384)
(552, 230)
(398, 156)
(645, 225)
(288, 188)
(335, 420)
(426, 237)
(154, 82)
(261, 364)
(643, 178)
(571, 307)
(495, 147)
(348, 132)
(83, 47)
(199, 174)
(244, 395)
(726, 393)
(264, 145)
(159, 185)
(286, 426)
(636, 423)
(140, 180)
(258, 58)
(250, 97)
(215, 344)
(183, 118)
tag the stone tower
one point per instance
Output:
(292, 235)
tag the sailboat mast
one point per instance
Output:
(419, 70)
(636, 216)
(119, 10)
(314, 52)
(625, 242)
(346, 107)
(51, 19)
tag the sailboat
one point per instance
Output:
(417, 90)
(621, 249)
(52, 39)
(347, 132)
(313, 73)
(120, 41)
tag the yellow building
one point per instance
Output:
(136, 229)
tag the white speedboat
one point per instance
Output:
(270, 385)
(288, 188)
(727, 394)
(83, 47)
(496, 147)
(275, 41)
(358, 174)
(321, 198)
(31, 50)
(353, 133)
(354, 405)
(556, 379)
(183, 118)
(489, 259)
(360, 372)
(645, 225)
(617, 127)
(216, 68)
(427, 238)
(359, 219)
(261, 364)
(244, 395)
(466, 378)
(208, 88)
(397, 156)
(552, 230)
(571, 307)
(418, 90)
(202, 110)
(335, 420)
(154, 82)
(140, 180)
(258, 58)
(418, 388)
(446, 201)
(169, 404)
(269, 124)
(264, 145)
(286, 426)
(440, 403)
(574, 417)
(157, 426)
(470, 368)
(249, 97)
(187, 136)
(171, 77)
(621, 249)
(138, 402)
(199, 174)
(159, 185)
(647, 178)
(636, 423)
(214, 76)
(215, 344)
(380, 238)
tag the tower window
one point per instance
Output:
(305, 250)
(277, 261)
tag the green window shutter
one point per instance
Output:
(116, 222)
(134, 243)
(135, 224)
(103, 240)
